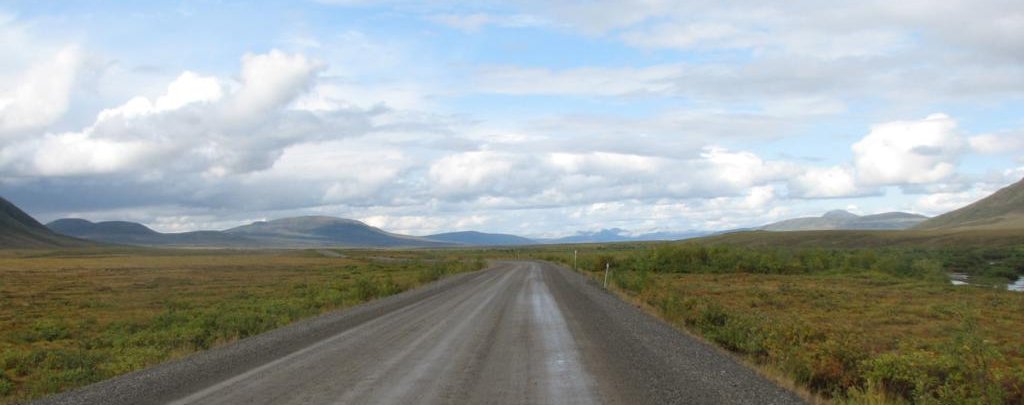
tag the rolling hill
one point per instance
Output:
(326, 231)
(297, 232)
(19, 230)
(844, 220)
(132, 233)
(473, 238)
(1004, 209)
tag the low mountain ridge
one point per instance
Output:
(19, 230)
(845, 220)
(133, 233)
(1004, 209)
(326, 231)
(474, 238)
(296, 232)
(621, 235)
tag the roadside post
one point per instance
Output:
(607, 267)
(574, 267)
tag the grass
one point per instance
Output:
(74, 317)
(880, 326)
(875, 324)
(871, 239)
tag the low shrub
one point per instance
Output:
(6, 385)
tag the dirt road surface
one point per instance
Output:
(517, 333)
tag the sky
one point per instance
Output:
(538, 118)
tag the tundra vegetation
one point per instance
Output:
(881, 325)
(74, 317)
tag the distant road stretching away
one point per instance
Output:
(517, 333)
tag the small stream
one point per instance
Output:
(964, 279)
(1016, 285)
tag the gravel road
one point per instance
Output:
(519, 332)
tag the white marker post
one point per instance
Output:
(607, 266)
(574, 267)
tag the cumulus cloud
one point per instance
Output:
(942, 202)
(997, 143)
(200, 124)
(676, 138)
(826, 182)
(528, 179)
(269, 81)
(75, 154)
(188, 88)
(40, 95)
(909, 152)
(479, 174)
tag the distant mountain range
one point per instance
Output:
(19, 230)
(621, 235)
(1004, 209)
(309, 231)
(321, 231)
(481, 239)
(845, 220)
(325, 231)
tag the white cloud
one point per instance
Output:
(188, 88)
(528, 179)
(40, 95)
(487, 173)
(336, 95)
(270, 81)
(826, 182)
(941, 203)
(997, 143)
(686, 36)
(581, 81)
(194, 127)
(476, 21)
(760, 197)
(741, 170)
(391, 132)
(908, 152)
(71, 154)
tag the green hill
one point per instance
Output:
(326, 231)
(18, 230)
(132, 233)
(839, 219)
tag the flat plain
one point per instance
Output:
(74, 317)
(846, 325)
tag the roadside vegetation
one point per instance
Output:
(877, 325)
(71, 318)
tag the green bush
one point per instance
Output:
(633, 281)
(735, 332)
(433, 272)
(365, 288)
(47, 330)
(959, 374)
(6, 385)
